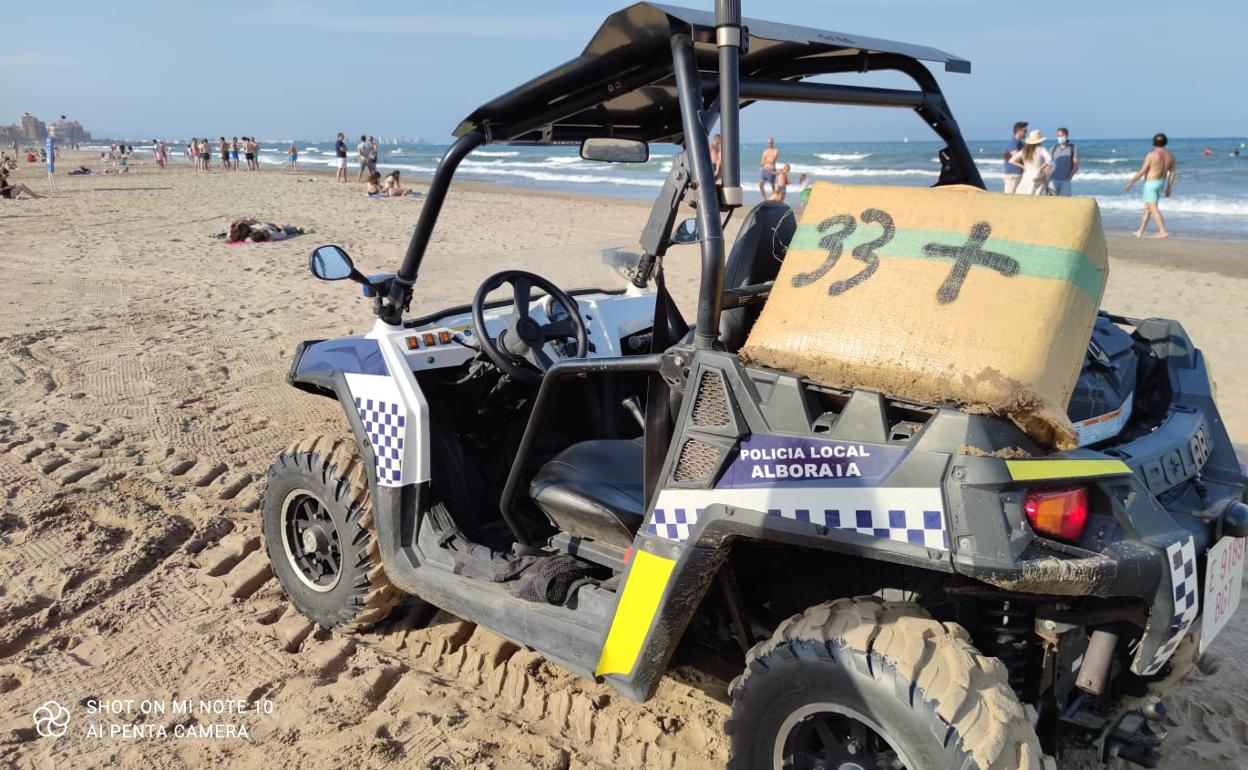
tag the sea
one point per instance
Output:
(1210, 196)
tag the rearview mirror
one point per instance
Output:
(686, 232)
(615, 150)
(330, 263)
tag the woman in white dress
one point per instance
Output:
(1036, 164)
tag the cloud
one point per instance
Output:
(34, 63)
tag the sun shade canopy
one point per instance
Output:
(621, 85)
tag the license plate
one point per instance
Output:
(1224, 575)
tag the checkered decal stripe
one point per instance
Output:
(673, 523)
(1182, 556)
(385, 424)
(900, 514)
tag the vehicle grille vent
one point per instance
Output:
(711, 406)
(698, 461)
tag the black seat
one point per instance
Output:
(594, 490)
(755, 258)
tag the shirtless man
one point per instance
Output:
(1158, 173)
(767, 172)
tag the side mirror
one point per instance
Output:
(330, 263)
(615, 150)
(686, 232)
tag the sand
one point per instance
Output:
(142, 398)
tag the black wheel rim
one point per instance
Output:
(824, 739)
(311, 541)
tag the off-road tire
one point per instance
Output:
(939, 702)
(332, 471)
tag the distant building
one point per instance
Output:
(68, 131)
(33, 129)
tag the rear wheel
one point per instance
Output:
(318, 530)
(863, 684)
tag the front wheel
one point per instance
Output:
(318, 530)
(863, 684)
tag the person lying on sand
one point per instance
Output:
(11, 191)
(256, 231)
(394, 189)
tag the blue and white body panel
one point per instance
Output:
(380, 368)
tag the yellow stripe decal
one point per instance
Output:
(1038, 470)
(634, 612)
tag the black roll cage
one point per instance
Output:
(778, 77)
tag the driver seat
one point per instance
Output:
(594, 490)
(755, 258)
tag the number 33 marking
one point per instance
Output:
(842, 226)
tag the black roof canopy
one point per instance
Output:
(621, 84)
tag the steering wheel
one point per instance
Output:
(524, 339)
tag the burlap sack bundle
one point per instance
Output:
(941, 295)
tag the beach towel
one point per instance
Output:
(941, 295)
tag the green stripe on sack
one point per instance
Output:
(1038, 261)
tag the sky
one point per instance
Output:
(305, 70)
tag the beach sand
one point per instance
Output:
(142, 396)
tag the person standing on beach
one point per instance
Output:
(1065, 163)
(255, 154)
(372, 154)
(234, 153)
(767, 169)
(361, 152)
(292, 155)
(1035, 164)
(340, 151)
(1158, 174)
(205, 154)
(781, 186)
(1012, 172)
(225, 154)
(717, 151)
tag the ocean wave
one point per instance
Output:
(553, 163)
(548, 176)
(843, 155)
(496, 153)
(1108, 160)
(1206, 205)
(846, 171)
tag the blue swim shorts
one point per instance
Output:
(1153, 189)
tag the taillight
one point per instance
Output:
(1059, 513)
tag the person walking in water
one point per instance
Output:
(1035, 164)
(292, 155)
(1012, 172)
(1158, 174)
(767, 169)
